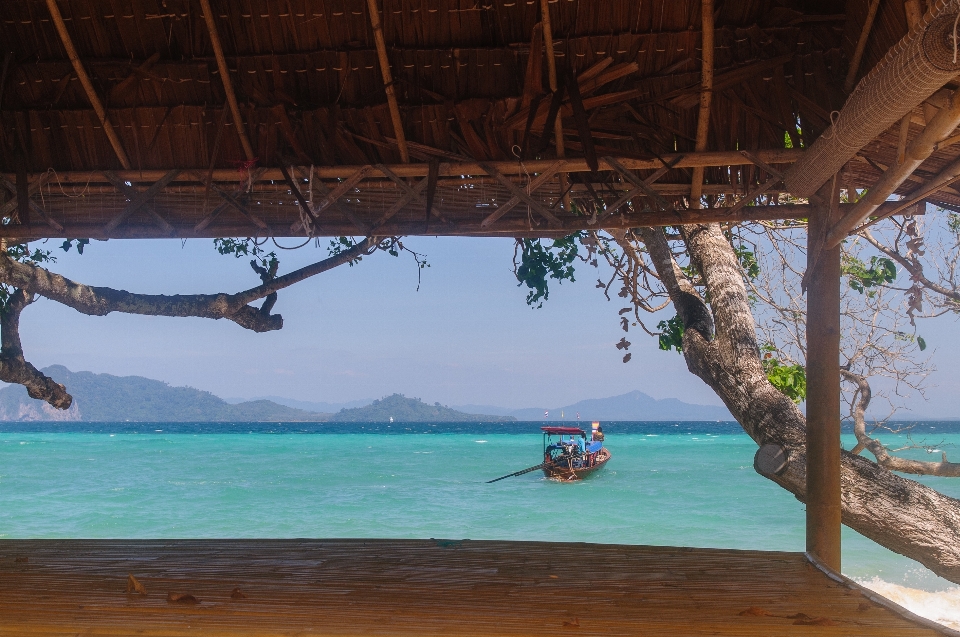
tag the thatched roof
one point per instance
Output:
(466, 75)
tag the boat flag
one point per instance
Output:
(546, 412)
(578, 415)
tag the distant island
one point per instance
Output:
(399, 408)
(108, 398)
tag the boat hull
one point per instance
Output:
(563, 472)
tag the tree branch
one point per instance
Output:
(879, 451)
(13, 367)
(100, 301)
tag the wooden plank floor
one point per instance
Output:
(424, 587)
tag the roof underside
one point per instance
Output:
(471, 84)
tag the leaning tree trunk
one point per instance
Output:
(900, 514)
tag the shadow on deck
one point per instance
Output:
(427, 587)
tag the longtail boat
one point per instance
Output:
(572, 456)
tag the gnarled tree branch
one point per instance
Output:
(100, 301)
(879, 451)
(14, 368)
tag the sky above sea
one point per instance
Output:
(363, 332)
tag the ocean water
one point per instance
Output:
(690, 484)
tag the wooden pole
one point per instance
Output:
(706, 98)
(552, 79)
(861, 46)
(374, 11)
(87, 84)
(913, 14)
(823, 383)
(225, 78)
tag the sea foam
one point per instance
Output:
(942, 607)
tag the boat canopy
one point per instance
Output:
(568, 431)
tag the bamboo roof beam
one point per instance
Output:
(939, 128)
(472, 226)
(913, 14)
(225, 79)
(87, 84)
(706, 98)
(861, 45)
(457, 169)
(552, 79)
(920, 64)
(374, 11)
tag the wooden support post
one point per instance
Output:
(706, 98)
(823, 383)
(87, 84)
(225, 78)
(374, 11)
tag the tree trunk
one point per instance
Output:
(897, 513)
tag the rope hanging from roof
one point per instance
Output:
(921, 63)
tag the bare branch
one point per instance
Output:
(100, 301)
(879, 451)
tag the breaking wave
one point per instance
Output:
(942, 606)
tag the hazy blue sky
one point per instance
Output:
(364, 332)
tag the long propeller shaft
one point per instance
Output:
(519, 473)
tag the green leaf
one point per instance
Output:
(881, 271)
(539, 263)
(671, 334)
(922, 343)
(790, 380)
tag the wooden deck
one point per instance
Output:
(425, 587)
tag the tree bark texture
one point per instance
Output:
(900, 514)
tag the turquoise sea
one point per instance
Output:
(690, 484)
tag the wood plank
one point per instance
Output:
(427, 588)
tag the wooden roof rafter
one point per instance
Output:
(477, 90)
